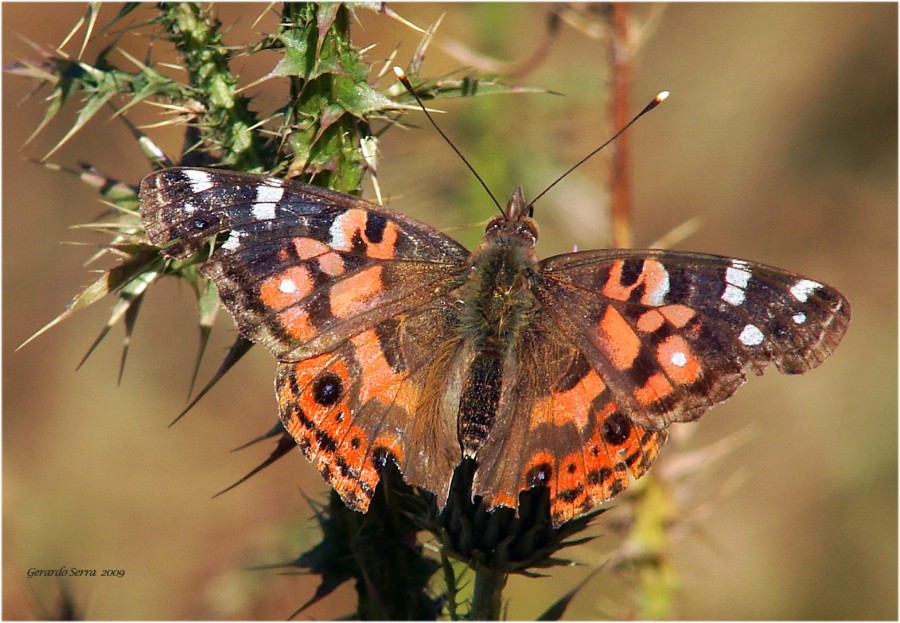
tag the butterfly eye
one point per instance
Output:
(493, 223)
(529, 228)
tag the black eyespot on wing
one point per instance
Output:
(539, 475)
(381, 457)
(616, 429)
(327, 389)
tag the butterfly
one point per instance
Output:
(396, 344)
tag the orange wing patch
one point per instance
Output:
(678, 360)
(381, 381)
(362, 228)
(618, 340)
(297, 324)
(355, 293)
(378, 372)
(287, 288)
(655, 389)
(308, 248)
(330, 262)
(569, 406)
(678, 315)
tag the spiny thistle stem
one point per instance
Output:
(227, 119)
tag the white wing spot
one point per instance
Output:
(264, 211)
(338, 234)
(803, 288)
(287, 286)
(737, 278)
(733, 295)
(799, 318)
(232, 242)
(751, 336)
(657, 297)
(679, 359)
(269, 194)
(199, 180)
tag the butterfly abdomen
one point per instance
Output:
(496, 307)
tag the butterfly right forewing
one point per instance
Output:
(672, 334)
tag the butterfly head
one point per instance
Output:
(515, 225)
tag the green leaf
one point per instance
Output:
(358, 98)
(297, 60)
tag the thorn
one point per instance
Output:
(285, 445)
(240, 348)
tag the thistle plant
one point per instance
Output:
(405, 558)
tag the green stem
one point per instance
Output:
(654, 511)
(487, 598)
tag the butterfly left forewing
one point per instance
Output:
(299, 267)
(672, 334)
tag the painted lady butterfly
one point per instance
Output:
(395, 343)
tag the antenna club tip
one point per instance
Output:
(661, 96)
(401, 75)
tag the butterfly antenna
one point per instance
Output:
(401, 76)
(656, 101)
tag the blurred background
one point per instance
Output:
(780, 137)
